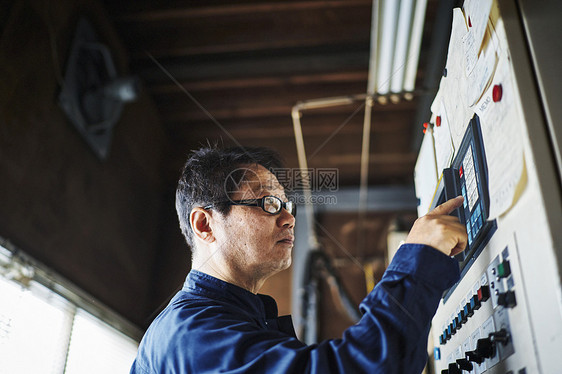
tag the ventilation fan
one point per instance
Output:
(93, 94)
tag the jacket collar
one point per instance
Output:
(202, 284)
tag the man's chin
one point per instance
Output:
(283, 265)
(287, 263)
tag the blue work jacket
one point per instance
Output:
(211, 326)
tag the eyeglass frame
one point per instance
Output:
(259, 203)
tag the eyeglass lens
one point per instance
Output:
(274, 205)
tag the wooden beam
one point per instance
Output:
(231, 9)
(259, 105)
(348, 57)
(375, 158)
(169, 47)
(248, 102)
(247, 33)
(272, 81)
(316, 126)
(228, 113)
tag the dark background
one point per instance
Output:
(110, 226)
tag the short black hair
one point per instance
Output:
(204, 179)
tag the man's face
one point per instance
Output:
(254, 242)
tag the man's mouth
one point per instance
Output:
(288, 240)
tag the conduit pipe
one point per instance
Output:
(296, 113)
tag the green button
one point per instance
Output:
(504, 269)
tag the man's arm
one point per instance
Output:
(391, 337)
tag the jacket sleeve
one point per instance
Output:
(391, 336)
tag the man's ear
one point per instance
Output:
(200, 220)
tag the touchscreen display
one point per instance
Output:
(473, 207)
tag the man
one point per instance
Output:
(240, 226)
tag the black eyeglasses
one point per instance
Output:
(269, 204)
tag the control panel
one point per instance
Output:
(491, 146)
(483, 344)
(468, 176)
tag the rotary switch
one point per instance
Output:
(507, 299)
(474, 357)
(485, 348)
(454, 369)
(501, 336)
(464, 364)
(458, 367)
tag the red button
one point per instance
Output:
(497, 93)
(460, 172)
(483, 293)
(425, 125)
(424, 130)
(469, 23)
(438, 121)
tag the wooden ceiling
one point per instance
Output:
(232, 71)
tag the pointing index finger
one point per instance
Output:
(447, 207)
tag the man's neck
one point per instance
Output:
(225, 274)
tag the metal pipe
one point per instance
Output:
(306, 319)
(365, 146)
(328, 102)
(303, 165)
(301, 152)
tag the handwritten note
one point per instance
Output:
(454, 88)
(476, 14)
(470, 52)
(481, 75)
(501, 131)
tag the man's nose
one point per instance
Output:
(286, 219)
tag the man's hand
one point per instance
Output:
(439, 230)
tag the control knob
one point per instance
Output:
(485, 348)
(454, 369)
(501, 336)
(507, 299)
(464, 364)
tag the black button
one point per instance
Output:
(507, 299)
(454, 369)
(464, 364)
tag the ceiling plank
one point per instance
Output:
(247, 103)
(180, 109)
(271, 81)
(247, 33)
(377, 158)
(230, 9)
(313, 125)
(298, 61)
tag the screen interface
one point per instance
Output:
(473, 204)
